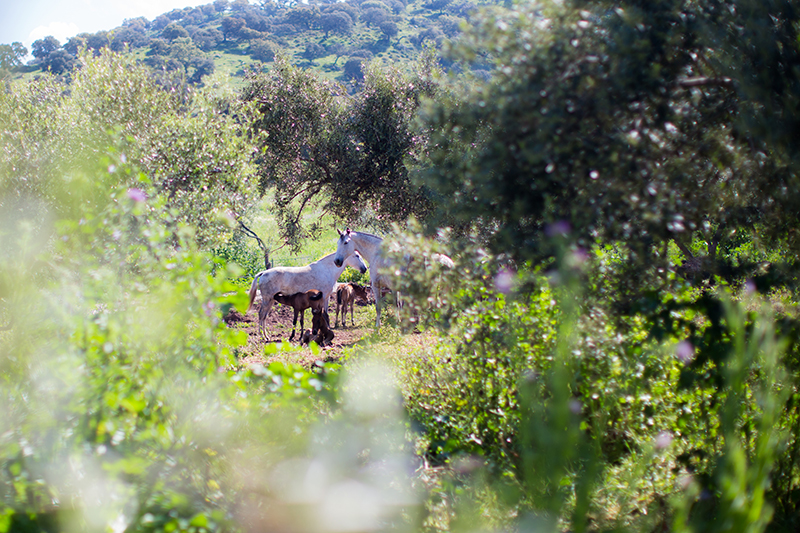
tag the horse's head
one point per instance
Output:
(344, 248)
(356, 261)
(361, 291)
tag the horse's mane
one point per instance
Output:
(365, 234)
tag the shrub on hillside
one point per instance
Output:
(431, 34)
(284, 29)
(336, 22)
(313, 51)
(389, 29)
(58, 62)
(174, 31)
(374, 16)
(207, 38)
(262, 50)
(450, 26)
(127, 36)
(353, 68)
(249, 34)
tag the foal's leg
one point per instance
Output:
(338, 310)
(294, 324)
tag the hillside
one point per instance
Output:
(232, 37)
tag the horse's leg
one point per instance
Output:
(377, 292)
(263, 313)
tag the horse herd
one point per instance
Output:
(311, 286)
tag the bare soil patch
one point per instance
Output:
(279, 327)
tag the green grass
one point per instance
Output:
(231, 64)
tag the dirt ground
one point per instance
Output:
(279, 328)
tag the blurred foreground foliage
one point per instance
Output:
(125, 409)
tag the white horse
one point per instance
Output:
(352, 242)
(369, 246)
(320, 275)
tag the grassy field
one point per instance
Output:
(265, 225)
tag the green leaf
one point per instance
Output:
(199, 520)
(134, 405)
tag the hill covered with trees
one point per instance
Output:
(332, 38)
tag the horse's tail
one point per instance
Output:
(339, 295)
(253, 289)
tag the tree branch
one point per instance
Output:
(313, 161)
(684, 250)
(713, 245)
(295, 194)
(303, 204)
(250, 233)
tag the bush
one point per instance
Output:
(375, 16)
(174, 31)
(202, 170)
(313, 51)
(389, 29)
(262, 50)
(237, 252)
(581, 416)
(353, 68)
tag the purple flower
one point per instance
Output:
(503, 281)
(684, 351)
(663, 440)
(558, 229)
(578, 257)
(137, 195)
(750, 287)
(575, 406)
